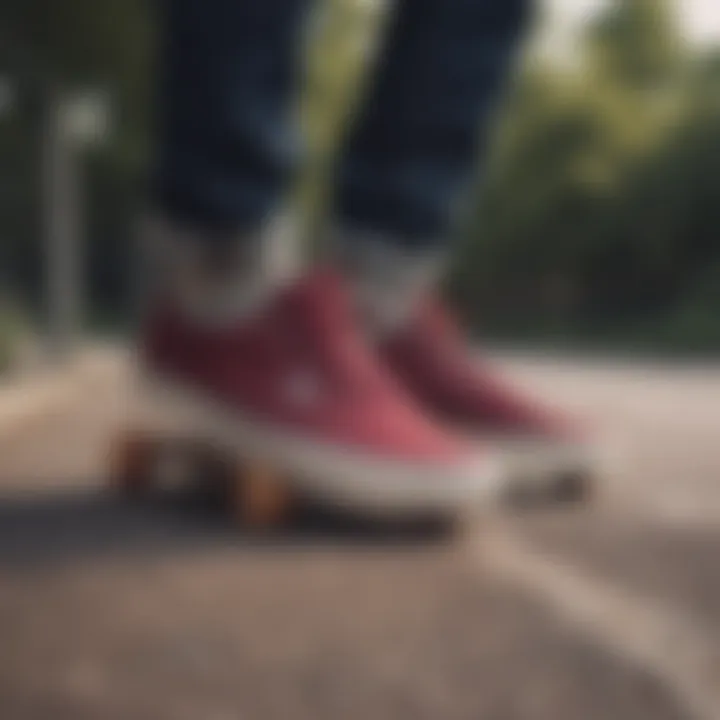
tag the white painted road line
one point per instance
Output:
(652, 636)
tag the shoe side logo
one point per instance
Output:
(302, 388)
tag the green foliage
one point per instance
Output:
(339, 49)
(601, 201)
(13, 332)
(76, 41)
(635, 44)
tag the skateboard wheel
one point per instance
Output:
(522, 495)
(574, 487)
(258, 497)
(133, 463)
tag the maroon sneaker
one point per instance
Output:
(542, 449)
(298, 383)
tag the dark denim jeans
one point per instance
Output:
(227, 143)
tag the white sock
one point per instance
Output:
(218, 281)
(388, 280)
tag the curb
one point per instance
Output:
(41, 393)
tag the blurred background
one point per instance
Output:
(594, 222)
(592, 226)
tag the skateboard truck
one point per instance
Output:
(253, 494)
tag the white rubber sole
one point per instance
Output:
(333, 474)
(540, 465)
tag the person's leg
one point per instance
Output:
(415, 144)
(226, 149)
(226, 142)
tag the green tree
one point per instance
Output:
(581, 223)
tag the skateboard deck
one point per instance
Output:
(252, 493)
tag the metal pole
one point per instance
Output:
(62, 230)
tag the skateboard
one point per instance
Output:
(252, 493)
(267, 484)
(255, 494)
